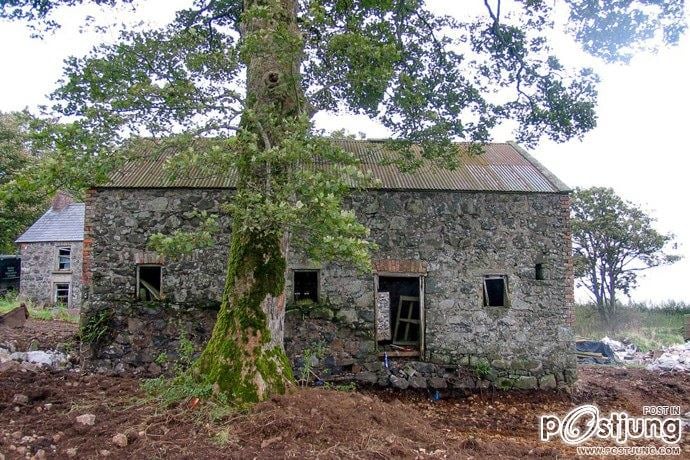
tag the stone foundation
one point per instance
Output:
(335, 351)
(147, 340)
(144, 338)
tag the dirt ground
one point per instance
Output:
(47, 334)
(307, 423)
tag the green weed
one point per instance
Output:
(95, 329)
(346, 387)
(481, 369)
(58, 312)
(316, 350)
(184, 388)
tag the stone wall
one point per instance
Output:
(117, 225)
(39, 272)
(457, 237)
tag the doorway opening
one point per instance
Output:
(400, 313)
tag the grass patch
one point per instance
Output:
(346, 387)
(184, 390)
(55, 313)
(648, 326)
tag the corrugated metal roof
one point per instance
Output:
(66, 224)
(502, 167)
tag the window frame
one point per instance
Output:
(318, 282)
(55, 292)
(484, 296)
(160, 292)
(58, 256)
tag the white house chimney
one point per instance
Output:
(61, 201)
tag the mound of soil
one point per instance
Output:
(47, 334)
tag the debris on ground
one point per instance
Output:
(675, 358)
(40, 405)
(86, 419)
(55, 335)
(29, 359)
(625, 352)
(594, 352)
(120, 440)
(35, 344)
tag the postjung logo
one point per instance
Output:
(586, 422)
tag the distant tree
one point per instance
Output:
(34, 165)
(613, 240)
(256, 71)
(13, 153)
(19, 207)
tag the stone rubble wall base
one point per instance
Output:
(338, 353)
(146, 339)
(143, 338)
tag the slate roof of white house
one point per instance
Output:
(64, 225)
(503, 167)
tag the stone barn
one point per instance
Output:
(472, 283)
(51, 252)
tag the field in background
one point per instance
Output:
(58, 312)
(648, 326)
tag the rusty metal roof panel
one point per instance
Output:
(503, 167)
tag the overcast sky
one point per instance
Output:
(639, 147)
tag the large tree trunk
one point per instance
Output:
(244, 357)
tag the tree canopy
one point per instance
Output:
(38, 159)
(16, 212)
(613, 240)
(254, 72)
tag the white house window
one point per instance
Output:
(496, 291)
(64, 258)
(61, 293)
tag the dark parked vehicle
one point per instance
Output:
(10, 267)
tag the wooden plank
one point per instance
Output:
(409, 301)
(154, 292)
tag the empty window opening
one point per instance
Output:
(64, 258)
(149, 282)
(61, 293)
(539, 271)
(495, 291)
(306, 285)
(405, 310)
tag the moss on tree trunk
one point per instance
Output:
(242, 359)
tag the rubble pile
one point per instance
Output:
(31, 359)
(675, 358)
(626, 352)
